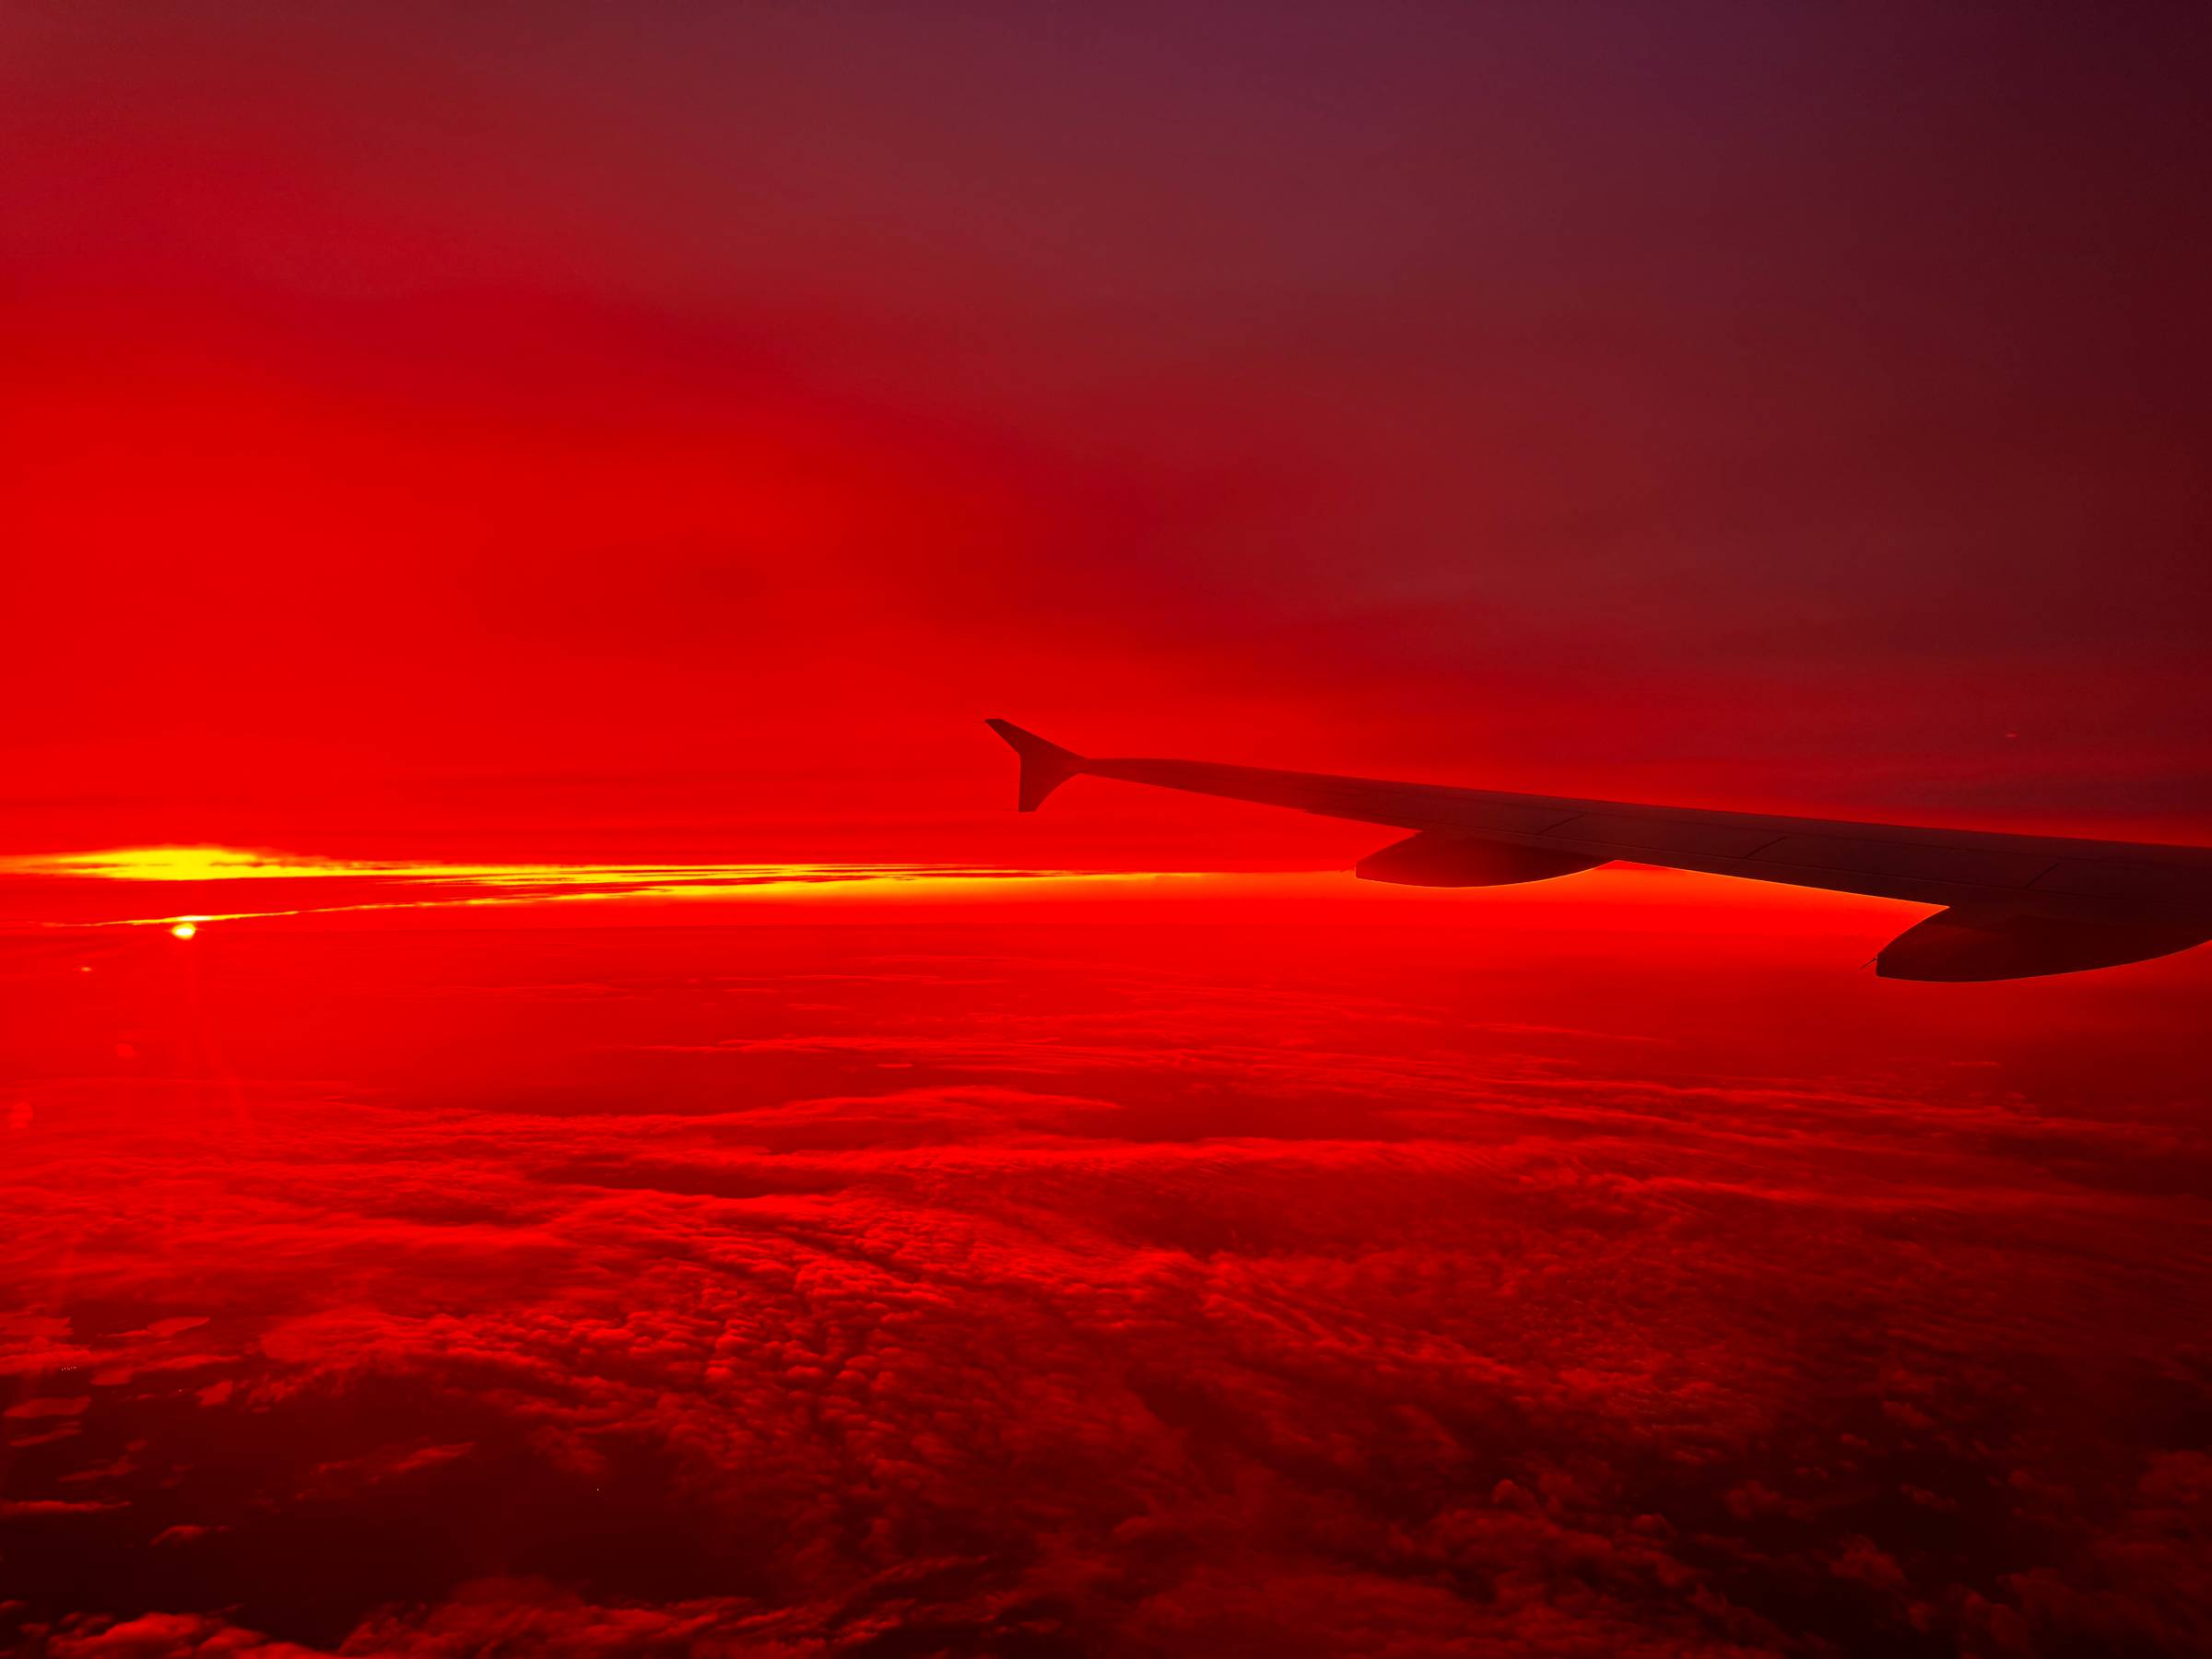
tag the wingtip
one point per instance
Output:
(1044, 765)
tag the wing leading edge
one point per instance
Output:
(2016, 906)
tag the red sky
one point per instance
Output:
(512, 431)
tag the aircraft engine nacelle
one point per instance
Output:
(1954, 945)
(1437, 859)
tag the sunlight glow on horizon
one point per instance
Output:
(223, 864)
(1625, 899)
(214, 863)
(328, 885)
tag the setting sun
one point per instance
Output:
(185, 930)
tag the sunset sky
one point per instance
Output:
(513, 517)
(581, 429)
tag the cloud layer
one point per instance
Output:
(927, 1290)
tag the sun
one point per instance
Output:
(185, 930)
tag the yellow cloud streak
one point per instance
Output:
(420, 885)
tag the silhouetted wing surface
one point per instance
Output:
(2024, 899)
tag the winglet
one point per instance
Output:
(1044, 766)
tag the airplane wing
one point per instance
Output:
(2014, 905)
